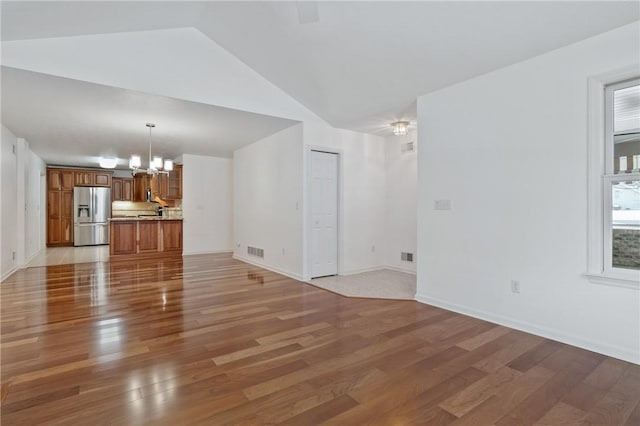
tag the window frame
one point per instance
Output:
(600, 177)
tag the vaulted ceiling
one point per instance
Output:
(357, 65)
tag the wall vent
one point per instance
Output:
(407, 147)
(254, 251)
(407, 257)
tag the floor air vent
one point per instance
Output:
(407, 257)
(254, 251)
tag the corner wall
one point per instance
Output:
(9, 195)
(509, 149)
(207, 204)
(23, 203)
(400, 201)
(267, 202)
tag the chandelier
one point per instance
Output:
(400, 128)
(156, 164)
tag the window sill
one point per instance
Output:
(626, 280)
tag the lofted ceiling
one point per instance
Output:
(357, 65)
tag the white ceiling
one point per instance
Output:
(72, 122)
(362, 64)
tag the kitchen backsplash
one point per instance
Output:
(135, 208)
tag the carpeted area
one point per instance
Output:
(380, 284)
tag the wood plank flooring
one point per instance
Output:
(209, 340)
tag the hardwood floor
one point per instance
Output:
(210, 340)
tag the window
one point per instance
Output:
(622, 176)
(614, 179)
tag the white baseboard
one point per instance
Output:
(193, 253)
(626, 354)
(362, 271)
(399, 269)
(33, 256)
(8, 273)
(378, 268)
(286, 273)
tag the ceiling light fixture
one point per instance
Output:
(400, 128)
(108, 162)
(156, 164)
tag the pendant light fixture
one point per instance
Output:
(400, 127)
(156, 164)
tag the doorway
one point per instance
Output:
(324, 213)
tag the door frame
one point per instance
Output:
(307, 216)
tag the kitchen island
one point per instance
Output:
(146, 236)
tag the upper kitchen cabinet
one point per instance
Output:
(60, 179)
(122, 189)
(102, 179)
(92, 178)
(141, 182)
(165, 186)
(174, 183)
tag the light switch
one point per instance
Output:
(442, 205)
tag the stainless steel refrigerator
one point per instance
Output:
(92, 210)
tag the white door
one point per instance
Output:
(324, 211)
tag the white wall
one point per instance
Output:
(267, 181)
(23, 203)
(207, 204)
(509, 149)
(9, 195)
(400, 202)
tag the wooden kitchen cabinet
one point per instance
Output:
(166, 186)
(122, 189)
(148, 236)
(60, 207)
(123, 238)
(174, 183)
(145, 238)
(171, 235)
(83, 178)
(60, 179)
(92, 178)
(102, 178)
(141, 182)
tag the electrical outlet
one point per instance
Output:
(13, 255)
(515, 286)
(442, 205)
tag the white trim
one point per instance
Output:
(624, 353)
(399, 269)
(9, 273)
(596, 170)
(193, 253)
(33, 256)
(363, 270)
(378, 268)
(622, 280)
(286, 273)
